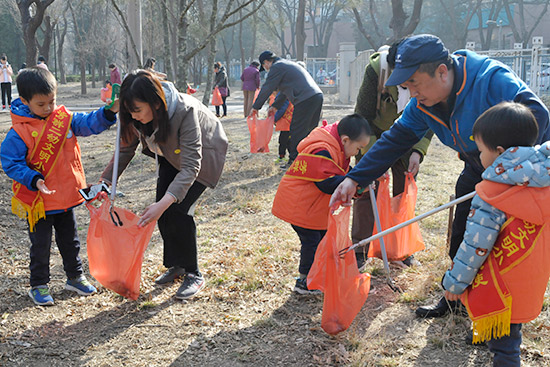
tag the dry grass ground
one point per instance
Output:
(247, 314)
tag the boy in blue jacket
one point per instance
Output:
(42, 156)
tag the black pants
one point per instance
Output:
(66, 238)
(309, 238)
(177, 225)
(224, 107)
(363, 215)
(466, 183)
(304, 119)
(284, 141)
(6, 94)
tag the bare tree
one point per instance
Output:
(492, 13)
(399, 24)
(301, 30)
(47, 31)
(274, 19)
(30, 23)
(323, 14)
(128, 33)
(520, 31)
(459, 16)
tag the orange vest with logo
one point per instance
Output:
(527, 280)
(298, 201)
(284, 122)
(67, 175)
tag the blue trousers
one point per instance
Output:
(66, 238)
(309, 238)
(507, 349)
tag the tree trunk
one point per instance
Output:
(30, 24)
(60, 44)
(83, 75)
(183, 63)
(211, 56)
(241, 47)
(44, 48)
(166, 30)
(300, 30)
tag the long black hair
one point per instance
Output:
(142, 86)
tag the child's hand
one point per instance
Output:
(115, 107)
(451, 296)
(41, 186)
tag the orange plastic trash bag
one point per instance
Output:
(392, 211)
(345, 289)
(216, 97)
(115, 252)
(256, 95)
(260, 133)
(106, 93)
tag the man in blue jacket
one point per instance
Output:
(296, 85)
(449, 92)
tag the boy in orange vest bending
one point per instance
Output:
(502, 267)
(304, 192)
(41, 154)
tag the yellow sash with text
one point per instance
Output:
(487, 299)
(29, 204)
(311, 167)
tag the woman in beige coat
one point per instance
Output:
(190, 145)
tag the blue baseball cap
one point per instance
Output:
(413, 51)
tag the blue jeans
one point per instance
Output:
(506, 349)
(309, 238)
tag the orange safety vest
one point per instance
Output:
(298, 201)
(526, 277)
(284, 122)
(65, 176)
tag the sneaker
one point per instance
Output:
(80, 285)
(285, 165)
(192, 284)
(280, 160)
(40, 295)
(301, 288)
(170, 275)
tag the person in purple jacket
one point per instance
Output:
(251, 82)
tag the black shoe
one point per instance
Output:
(170, 275)
(439, 309)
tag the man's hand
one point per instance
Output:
(271, 111)
(343, 194)
(414, 163)
(253, 112)
(41, 186)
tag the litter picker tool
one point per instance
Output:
(112, 211)
(406, 223)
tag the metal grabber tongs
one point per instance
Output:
(112, 211)
(380, 235)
